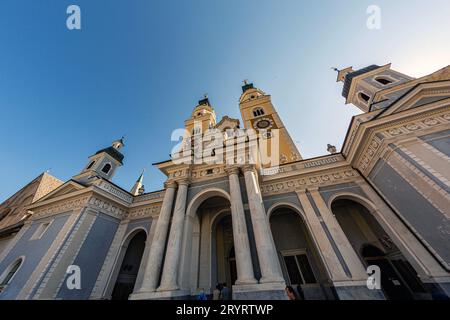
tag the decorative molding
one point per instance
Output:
(153, 197)
(60, 207)
(309, 181)
(384, 134)
(107, 207)
(145, 212)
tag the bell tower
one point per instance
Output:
(103, 163)
(203, 117)
(258, 113)
(367, 86)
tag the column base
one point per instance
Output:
(246, 281)
(261, 291)
(161, 295)
(172, 288)
(276, 280)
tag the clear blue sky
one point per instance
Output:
(138, 67)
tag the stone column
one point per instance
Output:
(349, 255)
(244, 265)
(153, 268)
(265, 246)
(171, 262)
(329, 256)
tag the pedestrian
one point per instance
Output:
(216, 292)
(225, 292)
(202, 295)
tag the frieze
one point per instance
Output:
(208, 172)
(145, 212)
(107, 207)
(61, 207)
(291, 185)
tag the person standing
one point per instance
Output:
(216, 292)
(225, 292)
(202, 295)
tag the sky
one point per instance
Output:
(138, 67)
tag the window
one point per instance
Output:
(299, 269)
(364, 97)
(106, 168)
(258, 112)
(267, 135)
(40, 230)
(383, 81)
(9, 273)
(90, 165)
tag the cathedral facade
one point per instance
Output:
(317, 224)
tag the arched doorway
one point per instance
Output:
(224, 254)
(129, 268)
(399, 280)
(199, 265)
(300, 261)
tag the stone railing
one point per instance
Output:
(108, 187)
(158, 195)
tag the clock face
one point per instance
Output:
(263, 124)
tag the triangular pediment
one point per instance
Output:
(420, 95)
(227, 123)
(66, 188)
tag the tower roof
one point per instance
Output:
(351, 75)
(113, 152)
(247, 86)
(138, 187)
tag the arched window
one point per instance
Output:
(9, 273)
(196, 130)
(364, 97)
(383, 81)
(90, 165)
(258, 112)
(106, 168)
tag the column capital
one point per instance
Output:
(232, 169)
(170, 184)
(249, 167)
(183, 182)
(302, 190)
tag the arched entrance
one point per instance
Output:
(399, 280)
(199, 263)
(129, 268)
(300, 261)
(224, 254)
